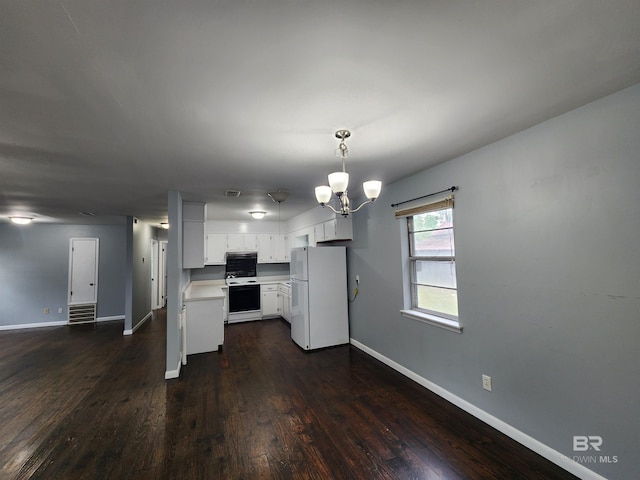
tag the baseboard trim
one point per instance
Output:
(34, 325)
(138, 325)
(58, 323)
(531, 443)
(110, 319)
(169, 374)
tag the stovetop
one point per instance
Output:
(242, 281)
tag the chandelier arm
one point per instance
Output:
(327, 205)
(361, 205)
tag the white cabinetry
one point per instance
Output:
(273, 248)
(204, 325)
(284, 301)
(264, 248)
(281, 248)
(241, 242)
(193, 215)
(218, 244)
(269, 300)
(216, 247)
(334, 229)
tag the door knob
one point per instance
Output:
(91, 284)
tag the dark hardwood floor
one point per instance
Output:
(84, 402)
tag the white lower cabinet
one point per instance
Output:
(204, 325)
(269, 294)
(284, 302)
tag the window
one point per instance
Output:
(432, 264)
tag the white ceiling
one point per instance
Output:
(106, 105)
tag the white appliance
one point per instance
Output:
(319, 305)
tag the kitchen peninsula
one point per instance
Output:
(205, 309)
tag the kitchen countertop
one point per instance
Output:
(204, 290)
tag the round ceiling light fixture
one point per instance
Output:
(257, 214)
(21, 220)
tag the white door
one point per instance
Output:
(83, 271)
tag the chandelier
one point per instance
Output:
(339, 181)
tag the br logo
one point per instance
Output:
(582, 443)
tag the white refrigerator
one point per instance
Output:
(319, 297)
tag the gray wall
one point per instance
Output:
(34, 271)
(548, 265)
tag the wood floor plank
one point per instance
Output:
(84, 402)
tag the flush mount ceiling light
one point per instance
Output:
(339, 181)
(21, 220)
(164, 225)
(258, 214)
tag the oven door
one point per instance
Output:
(244, 298)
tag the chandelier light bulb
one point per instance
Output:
(323, 194)
(339, 181)
(372, 189)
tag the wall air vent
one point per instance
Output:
(232, 193)
(82, 313)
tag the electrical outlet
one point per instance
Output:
(60, 310)
(486, 382)
(46, 311)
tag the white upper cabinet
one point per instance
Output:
(335, 229)
(216, 248)
(193, 247)
(281, 249)
(273, 248)
(264, 248)
(242, 242)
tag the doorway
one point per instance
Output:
(83, 279)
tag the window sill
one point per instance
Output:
(451, 325)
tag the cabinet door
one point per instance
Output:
(280, 304)
(344, 228)
(335, 229)
(250, 242)
(280, 248)
(216, 248)
(192, 244)
(270, 304)
(264, 248)
(330, 230)
(235, 242)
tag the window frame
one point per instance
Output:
(426, 315)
